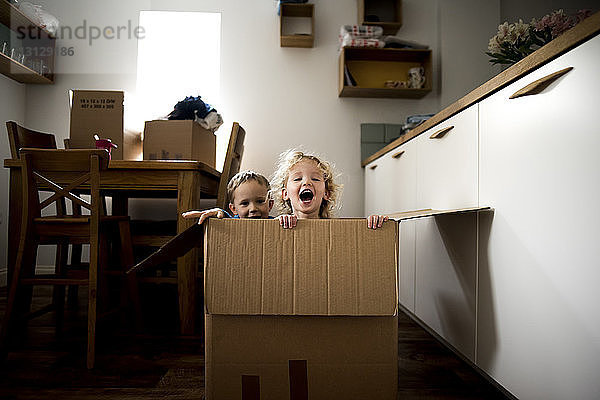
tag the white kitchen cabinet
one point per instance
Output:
(390, 181)
(447, 163)
(446, 278)
(406, 265)
(539, 308)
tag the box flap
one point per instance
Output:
(321, 267)
(430, 213)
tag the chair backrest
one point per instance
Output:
(233, 159)
(19, 136)
(61, 172)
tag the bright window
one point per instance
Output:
(178, 56)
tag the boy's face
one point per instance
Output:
(251, 200)
(305, 189)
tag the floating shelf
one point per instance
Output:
(384, 13)
(20, 72)
(39, 42)
(289, 11)
(371, 68)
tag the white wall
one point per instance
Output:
(513, 10)
(283, 97)
(465, 29)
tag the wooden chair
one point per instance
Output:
(18, 137)
(48, 168)
(231, 165)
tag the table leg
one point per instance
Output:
(188, 198)
(120, 205)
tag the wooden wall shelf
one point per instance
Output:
(37, 44)
(384, 13)
(20, 72)
(288, 11)
(371, 68)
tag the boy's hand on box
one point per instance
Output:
(376, 221)
(203, 215)
(287, 221)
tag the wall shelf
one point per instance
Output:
(384, 13)
(289, 13)
(35, 42)
(371, 68)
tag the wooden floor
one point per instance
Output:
(161, 365)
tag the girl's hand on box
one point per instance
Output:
(287, 221)
(376, 221)
(203, 215)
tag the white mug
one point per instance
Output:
(416, 77)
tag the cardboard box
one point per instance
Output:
(309, 312)
(179, 140)
(98, 112)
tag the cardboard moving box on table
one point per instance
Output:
(309, 312)
(100, 112)
(179, 140)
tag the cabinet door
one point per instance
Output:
(447, 163)
(403, 162)
(378, 186)
(446, 277)
(390, 181)
(539, 308)
(371, 187)
(406, 265)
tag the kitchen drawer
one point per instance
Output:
(447, 169)
(390, 181)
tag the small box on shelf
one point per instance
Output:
(291, 17)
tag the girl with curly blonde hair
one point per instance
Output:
(304, 188)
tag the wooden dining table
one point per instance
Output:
(188, 181)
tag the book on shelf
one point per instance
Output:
(348, 78)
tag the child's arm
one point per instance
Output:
(287, 221)
(376, 221)
(203, 215)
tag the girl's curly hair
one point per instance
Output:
(286, 161)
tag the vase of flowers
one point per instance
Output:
(516, 41)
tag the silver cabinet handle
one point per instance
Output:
(398, 154)
(441, 133)
(539, 85)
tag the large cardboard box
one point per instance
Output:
(303, 313)
(100, 112)
(179, 140)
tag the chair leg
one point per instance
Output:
(72, 292)
(58, 295)
(92, 303)
(97, 257)
(131, 294)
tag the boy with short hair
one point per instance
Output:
(249, 195)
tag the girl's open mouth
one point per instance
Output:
(306, 196)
